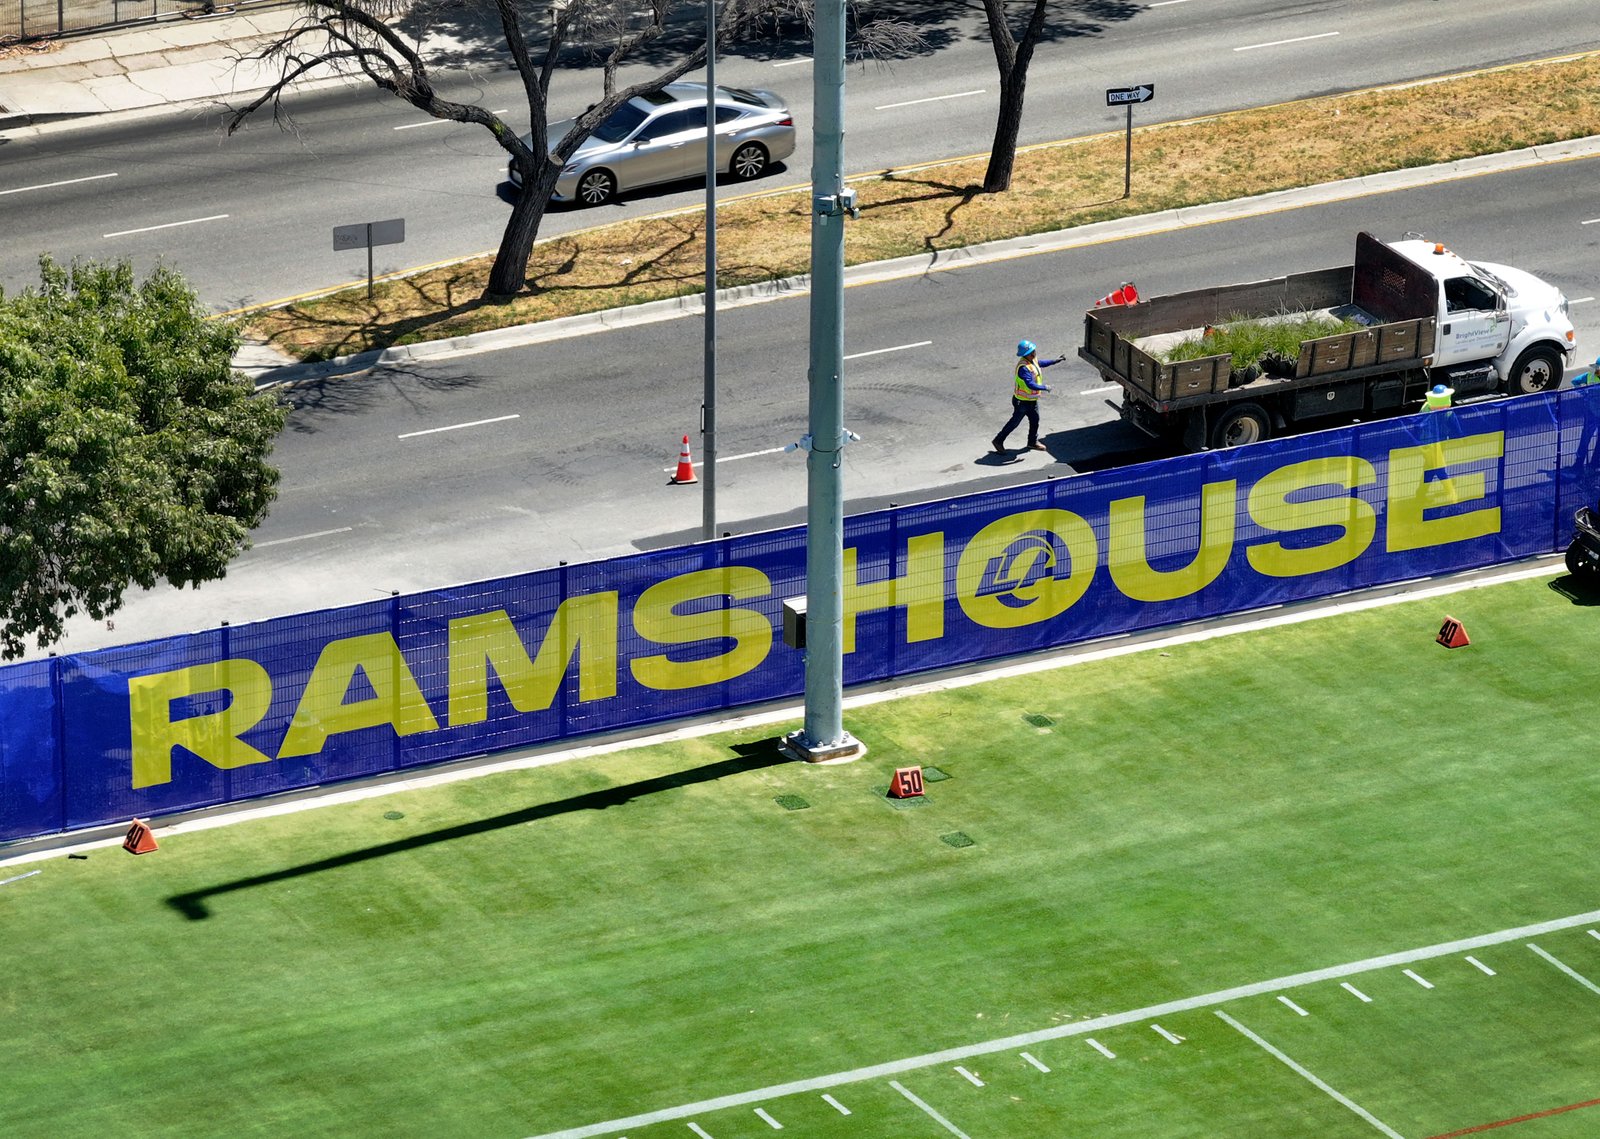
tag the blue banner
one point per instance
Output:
(245, 711)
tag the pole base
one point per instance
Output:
(842, 750)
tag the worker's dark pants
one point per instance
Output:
(1021, 409)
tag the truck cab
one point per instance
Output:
(1499, 328)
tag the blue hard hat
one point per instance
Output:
(1026, 348)
(1439, 389)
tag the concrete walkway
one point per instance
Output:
(141, 68)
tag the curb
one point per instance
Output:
(1096, 233)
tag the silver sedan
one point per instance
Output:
(661, 137)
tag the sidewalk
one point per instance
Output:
(142, 68)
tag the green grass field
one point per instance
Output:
(649, 932)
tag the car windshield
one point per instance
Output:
(623, 122)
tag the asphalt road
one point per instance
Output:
(248, 218)
(495, 463)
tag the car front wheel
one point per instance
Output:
(749, 161)
(596, 187)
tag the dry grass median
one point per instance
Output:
(1056, 186)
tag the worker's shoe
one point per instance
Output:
(998, 450)
(1037, 447)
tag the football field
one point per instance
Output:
(1325, 879)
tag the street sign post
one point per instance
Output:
(1127, 97)
(370, 233)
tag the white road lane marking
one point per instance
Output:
(66, 182)
(1355, 992)
(896, 348)
(932, 1114)
(435, 122)
(1567, 969)
(168, 225)
(792, 62)
(1490, 972)
(301, 538)
(1311, 1079)
(458, 426)
(932, 99)
(732, 458)
(1032, 1060)
(1280, 43)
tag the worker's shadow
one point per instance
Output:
(749, 757)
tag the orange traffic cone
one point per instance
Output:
(1126, 295)
(685, 467)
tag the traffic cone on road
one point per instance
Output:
(1126, 295)
(685, 466)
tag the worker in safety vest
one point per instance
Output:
(1592, 376)
(1438, 399)
(1026, 385)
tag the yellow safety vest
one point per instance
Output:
(1438, 402)
(1020, 386)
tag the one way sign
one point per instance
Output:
(1116, 96)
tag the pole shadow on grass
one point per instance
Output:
(748, 757)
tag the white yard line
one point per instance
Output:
(836, 1105)
(1169, 1037)
(1480, 966)
(1567, 969)
(1100, 1048)
(1294, 1007)
(1083, 1027)
(968, 1076)
(1417, 979)
(1355, 992)
(768, 1120)
(20, 877)
(1030, 1059)
(932, 1114)
(1343, 1100)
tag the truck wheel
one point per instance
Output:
(1241, 424)
(1536, 370)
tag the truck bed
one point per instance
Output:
(1120, 341)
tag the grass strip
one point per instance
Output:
(935, 207)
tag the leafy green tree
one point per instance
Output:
(130, 451)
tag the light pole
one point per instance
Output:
(708, 405)
(823, 738)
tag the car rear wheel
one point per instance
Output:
(596, 187)
(749, 161)
(1536, 370)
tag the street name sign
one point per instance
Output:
(391, 232)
